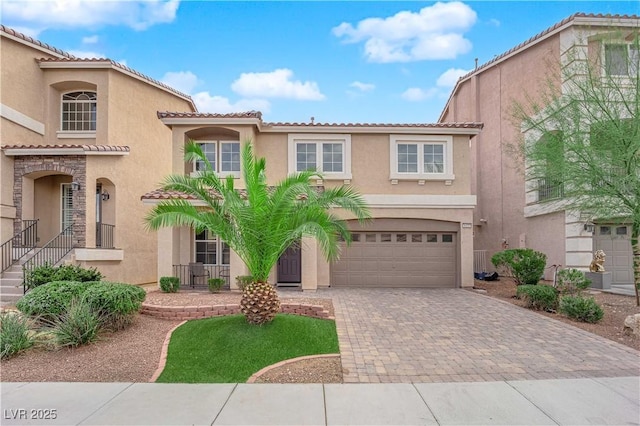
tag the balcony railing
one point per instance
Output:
(189, 281)
(51, 253)
(20, 244)
(549, 189)
(104, 235)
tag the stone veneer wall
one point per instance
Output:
(194, 312)
(73, 165)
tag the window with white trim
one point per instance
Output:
(421, 157)
(224, 157)
(328, 154)
(210, 250)
(621, 59)
(79, 111)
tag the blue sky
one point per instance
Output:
(383, 62)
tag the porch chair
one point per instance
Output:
(197, 271)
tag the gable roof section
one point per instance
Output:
(255, 118)
(583, 19)
(62, 59)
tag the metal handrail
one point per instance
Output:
(104, 235)
(51, 253)
(20, 244)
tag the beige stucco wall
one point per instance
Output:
(126, 115)
(497, 178)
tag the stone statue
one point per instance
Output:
(597, 264)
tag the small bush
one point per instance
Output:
(115, 303)
(243, 281)
(571, 282)
(79, 325)
(215, 284)
(525, 265)
(15, 335)
(169, 284)
(538, 297)
(47, 273)
(584, 309)
(49, 301)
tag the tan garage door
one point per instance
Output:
(615, 240)
(397, 259)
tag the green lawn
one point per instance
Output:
(229, 350)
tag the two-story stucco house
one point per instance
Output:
(80, 141)
(415, 178)
(512, 212)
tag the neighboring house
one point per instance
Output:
(80, 141)
(514, 213)
(415, 178)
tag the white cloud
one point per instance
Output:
(184, 81)
(219, 104)
(86, 54)
(494, 22)
(276, 84)
(435, 32)
(450, 77)
(90, 40)
(40, 15)
(415, 94)
(363, 87)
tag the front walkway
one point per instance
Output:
(545, 402)
(442, 335)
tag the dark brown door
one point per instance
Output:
(289, 266)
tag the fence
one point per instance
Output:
(479, 261)
(190, 279)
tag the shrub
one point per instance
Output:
(51, 300)
(584, 309)
(80, 324)
(538, 297)
(215, 284)
(243, 281)
(47, 273)
(169, 284)
(571, 282)
(525, 265)
(115, 303)
(15, 335)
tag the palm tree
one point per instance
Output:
(260, 222)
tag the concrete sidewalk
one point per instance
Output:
(538, 402)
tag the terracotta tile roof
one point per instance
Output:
(160, 194)
(73, 59)
(536, 37)
(247, 114)
(258, 115)
(547, 31)
(32, 40)
(365, 125)
(86, 148)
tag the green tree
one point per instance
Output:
(581, 137)
(260, 222)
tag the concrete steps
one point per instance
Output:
(11, 284)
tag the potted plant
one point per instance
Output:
(215, 284)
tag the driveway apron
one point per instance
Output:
(455, 335)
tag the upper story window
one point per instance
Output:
(224, 157)
(421, 157)
(327, 154)
(621, 59)
(79, 111)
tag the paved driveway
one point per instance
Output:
(442, 335)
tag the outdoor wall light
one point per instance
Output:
(75, 186)
(589, 227)
(105, 196)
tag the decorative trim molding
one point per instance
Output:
(21, 119)
(421, 201)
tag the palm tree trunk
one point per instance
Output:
(260, 303)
